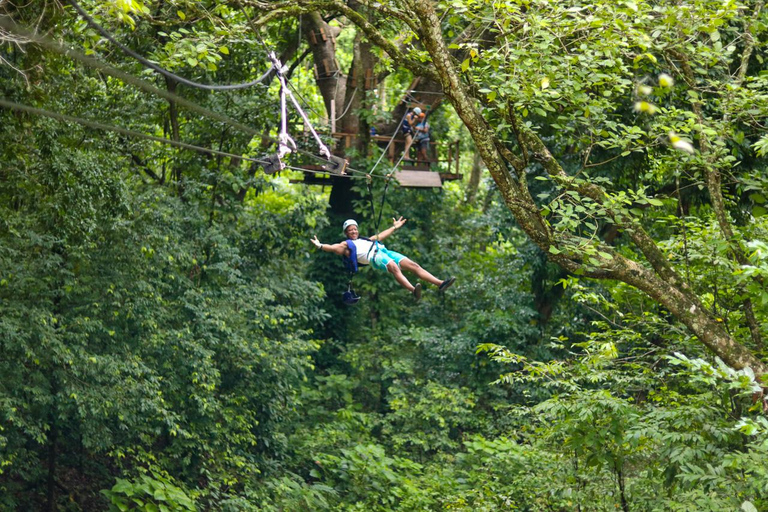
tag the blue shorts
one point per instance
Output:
(384, 256)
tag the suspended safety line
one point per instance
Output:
(336, 165)
(394, 134)
(57, 47)
(124, 131)
(100, 126)
(50, 44)
(125, 77)
(159, 69)
(349, 104)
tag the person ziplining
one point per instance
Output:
(359, 250)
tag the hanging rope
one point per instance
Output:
(130, 133)
(349, 104)
(394, 134)
(383, 199)
(101, 126)
(157, 68)
(57, 47)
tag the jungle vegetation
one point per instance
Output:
(170, 340)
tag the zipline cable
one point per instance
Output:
(159, 69)
(101, 126)
(48, 43)
(131, 133)
(122, 75)
(57, 47)
(394, 134)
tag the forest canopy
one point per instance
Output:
(170, 339)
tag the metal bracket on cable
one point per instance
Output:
(336, 164)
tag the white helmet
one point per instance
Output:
(417, 111)
(347, 223)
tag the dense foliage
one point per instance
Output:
(170, 340)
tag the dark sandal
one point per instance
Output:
(446, 284)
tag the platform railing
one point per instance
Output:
(445, 155)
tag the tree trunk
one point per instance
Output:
(53, 438)
(662, 284)
(474, 178)
(173, 116)
(321, 38)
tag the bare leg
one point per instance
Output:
(411, 266)
(395, 271)
(408, 142)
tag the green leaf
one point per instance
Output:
(181, 15)
(465, 65)
(224, 50)
(747, 506)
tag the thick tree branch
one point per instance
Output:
(750, 44)
(392, 12)
(714, 185)
(662, 283)
(416, 66)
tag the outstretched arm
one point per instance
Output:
(396, 224)
(339, 248)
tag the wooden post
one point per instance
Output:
(458, 141)
(333, 116)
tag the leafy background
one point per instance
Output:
(169, 339)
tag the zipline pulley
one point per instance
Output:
(336, 164)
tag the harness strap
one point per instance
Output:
(280, 70)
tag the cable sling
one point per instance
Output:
(151, 65)
(332, 167)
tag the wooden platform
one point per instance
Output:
(422, 179)
(417, 176)
(411, 173)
